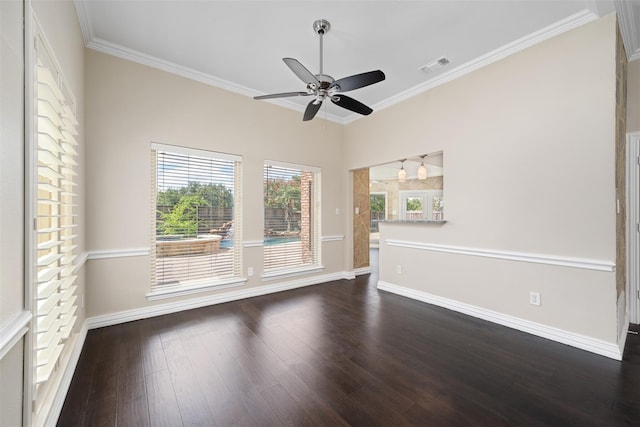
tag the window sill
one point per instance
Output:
(290, 272)
(172, 291)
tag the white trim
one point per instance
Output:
(627, 24)
(176, 306)
(633, 226)
(553, 30)
(584, 263)
(253, 243)
(297, 166)
(361, 271)
(13, 331)
(290, 272)
(82, 259)
(181, 290)
(188, 151)
(118, 253)
(85, 23)
(63, 387)
(332, 238)
(594, 345)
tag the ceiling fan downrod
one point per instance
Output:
(321, 27)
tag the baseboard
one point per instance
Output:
(61, 393)
(174, 307)
(603, 348)
(361, 271)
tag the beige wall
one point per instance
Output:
(530, 163)
(633, 96)
(131, 105)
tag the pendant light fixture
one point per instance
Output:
(402, 173)
(422, 169)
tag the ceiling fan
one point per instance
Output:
(322, 86)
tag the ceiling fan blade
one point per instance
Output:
(359, 80)
(282, 95)
(311, 110)
(300, 71)
(351, 104)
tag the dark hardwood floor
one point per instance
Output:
(338, 354)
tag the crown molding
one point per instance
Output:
(583, 17)
(553, 30)
(85, 23)
(628, 28)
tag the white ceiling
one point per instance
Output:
(239, 45)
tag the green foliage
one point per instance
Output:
(280, 193)
(284, 194)
(215, 195)
(414, 204)
(183, 218)
(377, 202)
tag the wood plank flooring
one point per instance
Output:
(342, 354)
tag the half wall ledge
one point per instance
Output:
(413, 221)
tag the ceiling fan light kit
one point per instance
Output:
(322, 86)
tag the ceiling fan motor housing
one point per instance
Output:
(321, 26)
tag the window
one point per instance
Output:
(291, 218)
(55, 223)
(378, 208)
(419, 205)
(196, 226)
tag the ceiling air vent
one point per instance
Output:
(434, 65)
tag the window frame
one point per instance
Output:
(316, 225)
(188, 287)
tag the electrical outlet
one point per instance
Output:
(534, 298)
(398, 269)
(250, 271)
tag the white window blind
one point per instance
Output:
(291, 217)
(196, 225)
(55, 223)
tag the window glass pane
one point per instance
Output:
(290, 218)
(437, 208)
(378, 207)
(414, 208)
(194, 218)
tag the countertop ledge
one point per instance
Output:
(414, 221)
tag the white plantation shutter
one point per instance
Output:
(291, 217)
(196, 227)
(55, 223)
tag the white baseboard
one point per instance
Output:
(174, 307)
(594, 345)
(61, 393)
(361, 271)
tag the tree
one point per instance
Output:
(215, 195)
(283, 194)
(377, 202)
(183, 218)
(414, 204)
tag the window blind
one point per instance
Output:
(55, 225)
(291, 217)
(195, 219)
